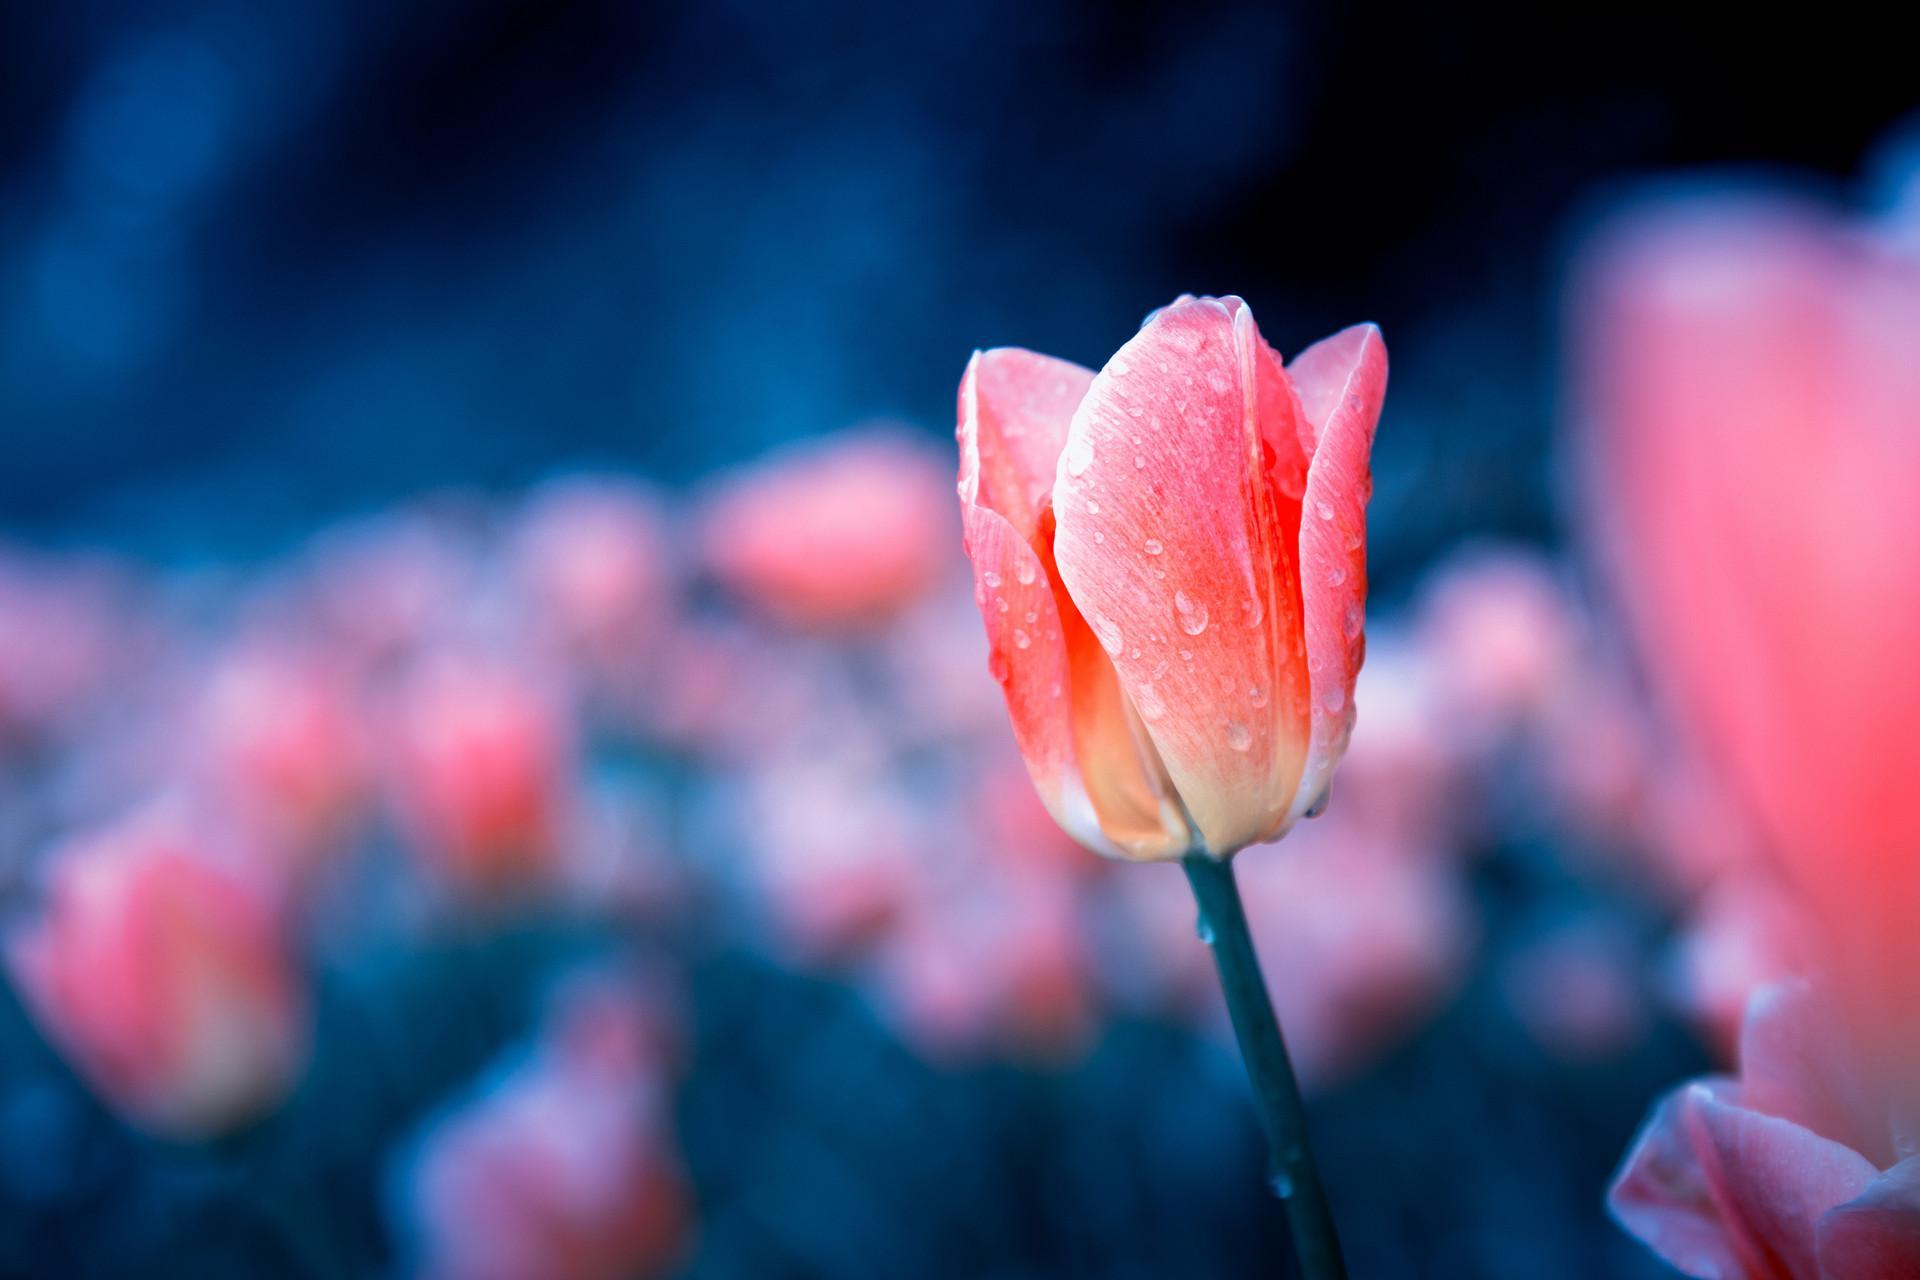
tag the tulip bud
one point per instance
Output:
(1170, 557)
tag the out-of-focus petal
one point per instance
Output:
(1342, 383)
(1726, 1193)
(1876, 1235)
(1772, 1181)
(1794, 1065)
(1176, 540)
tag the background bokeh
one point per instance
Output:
(332, 335)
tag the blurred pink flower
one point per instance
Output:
(593, 553)
(282, 741)
(480, 766)
(1502, 636)
(62, 637)
(560, 1165)
(1790, 1172)
(835, 854)
(992, 960)
(157, 964)
(836, 533)
(1750, 391)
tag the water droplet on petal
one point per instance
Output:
(1024, 571)
(1336, 576)
(1099, 538)
(1193, 616)
(1255, 612)
(1319, 805)
(1079, 454)
(998, 667)
(1001, 604)
(1336, 698)
(1152, 546)
(1239, 737)
(1220, 382)
(1323, 509)
(1203, 928)
(1355, 621)
(1148, 702)
(1139, 462)
(992, 579)
(1258, 696)
(1093, 508)
(1021, 640)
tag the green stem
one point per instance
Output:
(1295, 1178)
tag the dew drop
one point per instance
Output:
(1258, 696)
(1193, 616)
(998, 668)
(1099, 538)
(1001, 604)
(1021, 640)
(1319, 805)
(1148, 702)
(1186, 655)
(1139, 462)
(1203, 928)
(1152, 546)
(992, 578)
(1354, 621)
(1336, 576)
(1255, 612)
(1281, 1184)
(1079, 454)
(1220, 382)
(1093, 508)
(1109, 632)
(1024, 572)
(1336, 698)
(1324, 510)
(1239, 737)
(1033, 616)
(1119, 368)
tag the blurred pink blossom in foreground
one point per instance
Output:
(1797, 1170)
(560, 1165)
(834, 534)
(157, 963)
(1752, 404)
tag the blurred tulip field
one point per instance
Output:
(612, 617)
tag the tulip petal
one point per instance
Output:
(1793, 1065)
(1725, 1193)
(1876, 1235)
(1176, 539)
(1014, 409)
(1341, 382)
(1095, 771)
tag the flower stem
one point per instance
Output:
(1295, 1178)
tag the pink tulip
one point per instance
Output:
(1170, 557)
(282, 742)
(592, 552)
(561, 1165)
(835, 534)
(1751, 393)
(157, 965)
(480, 764)
(1791, 1172)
